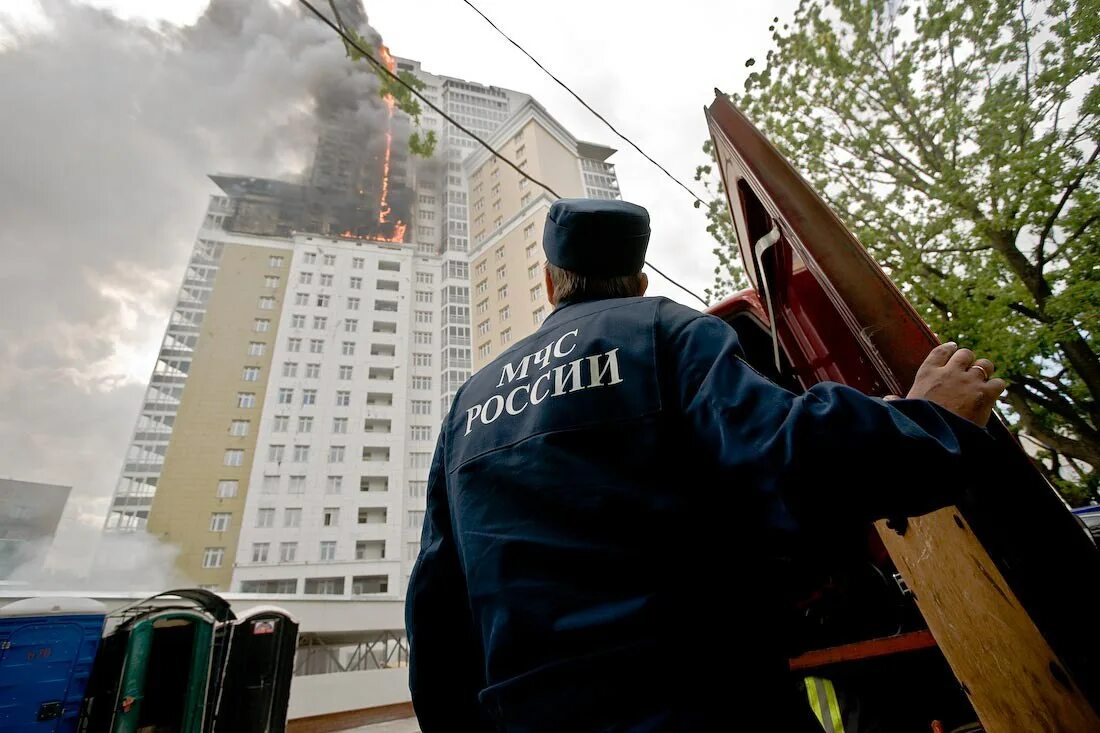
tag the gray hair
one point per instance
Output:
(569, 285)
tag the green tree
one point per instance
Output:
(959, 140)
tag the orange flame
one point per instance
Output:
(384, 204)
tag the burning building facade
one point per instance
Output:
(321, 331)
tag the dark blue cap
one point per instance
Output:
(596, 236)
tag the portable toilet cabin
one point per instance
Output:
(47, 647)
(254, 689)
(155, 667)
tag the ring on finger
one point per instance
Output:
(980, 368)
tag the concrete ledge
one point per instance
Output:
(350, 719)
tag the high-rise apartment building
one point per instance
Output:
(320, 333)
(507, 213)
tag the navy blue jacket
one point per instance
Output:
(600, 503)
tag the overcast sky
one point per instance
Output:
(109, 127)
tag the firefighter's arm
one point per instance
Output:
(445, 670)
(829, 454)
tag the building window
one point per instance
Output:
(500, 252)
(280, 424)
(525, 199)
(483, 307)
(353, 304)
(418, 489)
(483, 328)
(339, 424)
(316, 346)
(480, 269)
(328, 551)
(320, 322)
(301, 453)
(421, 382)
(288, 551)
(286, 395)
(422, 360)
(351, 325)
(275, 453)
(292, 518)
(309, 397)
(334, 484)
(485, 350)
(502, 292)
(238, 428)
(481, 287)
(305, 278)
(301, 299)
(356, 283)
(538, 316)
(259, 551)
(234, 457)
(324, 586)
(326, 281)
(219, 521)
(270, 485)
(423, 316)
(528, 230)
(336, 454)
(531, 250)
(290, 369)
(343, 398)
(389, 266)
(388, 306)
(294, 345)
(251, 374)
(425, 278)
(261, 325)
(212, 557)
(421, 407)
(330, 517)
(505, 313)
(424, 296)
(313, 371)
(501, 271)
(256, 348)
(370, 550)
(506, 336)
(420, 432)
(497, 222)
(415, 520)
(330, 260)
(296, 485)
(532, 271)
(297, 321)
(274, 261)
(271, 281)
(267, 303)
(227, 488)
(323, 300)
(345, 372)
(536, 294)
(422, 338)
(305, 424)
(265, 518)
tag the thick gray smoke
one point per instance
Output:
(108, 131)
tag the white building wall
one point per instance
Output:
(383, 362)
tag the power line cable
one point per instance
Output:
(385, 70)
(586, 105)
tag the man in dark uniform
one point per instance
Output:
(604, 493)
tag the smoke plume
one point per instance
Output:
(109, 130)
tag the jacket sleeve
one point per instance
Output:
(831, 454)
(445, 660)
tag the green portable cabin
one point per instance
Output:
(155, 668)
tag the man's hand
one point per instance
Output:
(953, 378)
